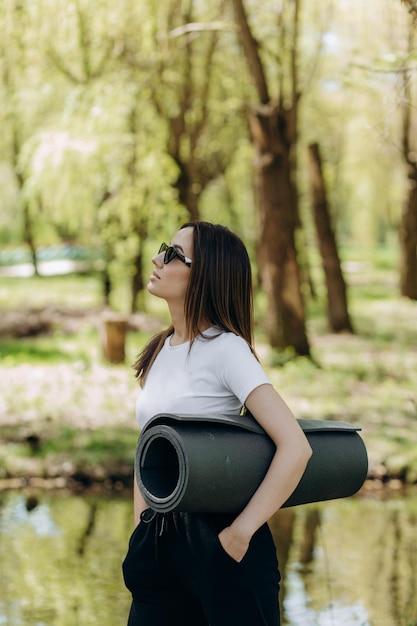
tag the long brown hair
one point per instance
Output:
(219, 291)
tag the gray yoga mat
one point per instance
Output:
(214, 463)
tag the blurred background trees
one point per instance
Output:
(119, 121)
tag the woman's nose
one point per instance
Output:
(158, 259)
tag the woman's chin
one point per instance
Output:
(150, 288)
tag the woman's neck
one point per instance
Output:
(179, 324)
(181, 334)
(178, 338)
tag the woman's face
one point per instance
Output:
(170, 281)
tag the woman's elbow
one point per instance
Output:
(305, 452)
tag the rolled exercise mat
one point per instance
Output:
(214, 463)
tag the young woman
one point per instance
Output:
(188, 569)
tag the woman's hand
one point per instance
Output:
(234, 542)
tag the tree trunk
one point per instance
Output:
(308, 544)
(274, 135)
(20, 179)
(28, 234)
(408, 226)
(282, 525)
(186, 187)
(337, 307)
(408, 239)
(113, 339)
(137, 211)
(106, 283)
(137, 283)
(277, 251)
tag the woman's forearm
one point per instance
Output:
(284, 473)
(281, 479)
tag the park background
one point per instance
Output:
(293, 124)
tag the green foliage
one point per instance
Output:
(91, 114)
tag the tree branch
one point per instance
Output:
(251, 50)
(63, 67)
(199, 27)
(294, 53)
(412, 5)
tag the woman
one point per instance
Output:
(186, 569)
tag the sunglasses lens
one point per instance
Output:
(170, 254)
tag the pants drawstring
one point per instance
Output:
(162, 524)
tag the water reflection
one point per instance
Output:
(21, 511)
(60, 561)
(351, 562)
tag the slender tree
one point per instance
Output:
(190, 68)
(337, 306)
(408, 225)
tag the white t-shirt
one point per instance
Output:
(214, 377)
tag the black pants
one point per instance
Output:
(179, 574)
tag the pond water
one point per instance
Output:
(350, 562)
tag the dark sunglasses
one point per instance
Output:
(171, 254)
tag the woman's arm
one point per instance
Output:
(139, 503)
(283, 475)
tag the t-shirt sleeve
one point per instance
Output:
(239, 370)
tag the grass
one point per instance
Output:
(60, 389)
(72, 290)
(13, 352)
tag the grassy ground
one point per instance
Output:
(66, 415)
